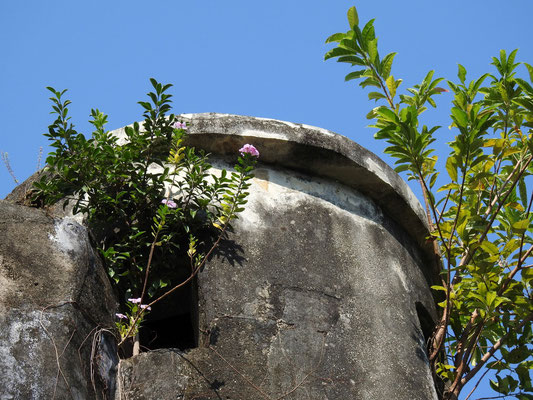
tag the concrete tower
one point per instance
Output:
(322, 289)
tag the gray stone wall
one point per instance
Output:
(314, 294)
(54, 296)
(320, 291)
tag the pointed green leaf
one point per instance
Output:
(460, 117)
(451, 167)
(510, 59)
(354, 75)
(490, 247)
(375, 96)
(373, 50)
(369, 32)
(386, 114)
(370, 82)
(350, 44)
(503, 59)
(530, 70)
(461, 74)
(336, 52)
(523, 192)
(521, 226)
(526, 87)
(386, 65)
(353, 18)
(336, 37)
(354, 60)
(391, 85)
(371, 114)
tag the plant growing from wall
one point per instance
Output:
(480, 219)
(152, 203)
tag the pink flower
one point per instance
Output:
(121, 316)
(179, 125)
(442, 90)
(135, 301)
(169, 203)
(250, 149)
(145, 306)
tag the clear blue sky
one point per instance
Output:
(239, 56)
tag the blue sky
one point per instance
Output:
(242, 57)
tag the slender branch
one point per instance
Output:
(380, 80)
(457, 384)
(469, 254)
(465, 334)
(515, 270)
(444, 206)
(193, 273)
(477, 384)
(493, 349)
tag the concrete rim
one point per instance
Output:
(318, 152)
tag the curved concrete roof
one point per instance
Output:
(315, 151)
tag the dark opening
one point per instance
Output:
(173, 323)
(426, 322)
(427, 326)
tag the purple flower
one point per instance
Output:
(146, 306)
(135, 301)
(250, 149)
(169, 203)
(179, 125)
(121, 316)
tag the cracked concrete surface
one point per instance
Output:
(312, 295)
(317, 299)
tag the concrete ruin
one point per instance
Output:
(321, 291)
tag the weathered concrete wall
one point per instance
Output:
(314, 295)
(54, 293)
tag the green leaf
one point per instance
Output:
(370, 82)
(527, 274)
(373, 50)
(521, 226)
(530, 70)
(336, 52)
(354, 60)
(386, 65)
(518, 354)
(371, 114)
(376, 96)
(461, 74)
(354, 75)
(368, 34)
(353, 18)
(526, 87)
(336, 37)
(490, 297)
(451, 167)
(391, 85)
(490, 247)
(386, 114)
(523, 192)
(460, 117)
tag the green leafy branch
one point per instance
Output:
(481, 227)
(148, 199)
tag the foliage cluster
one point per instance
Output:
(480, 219)
(154, 206)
